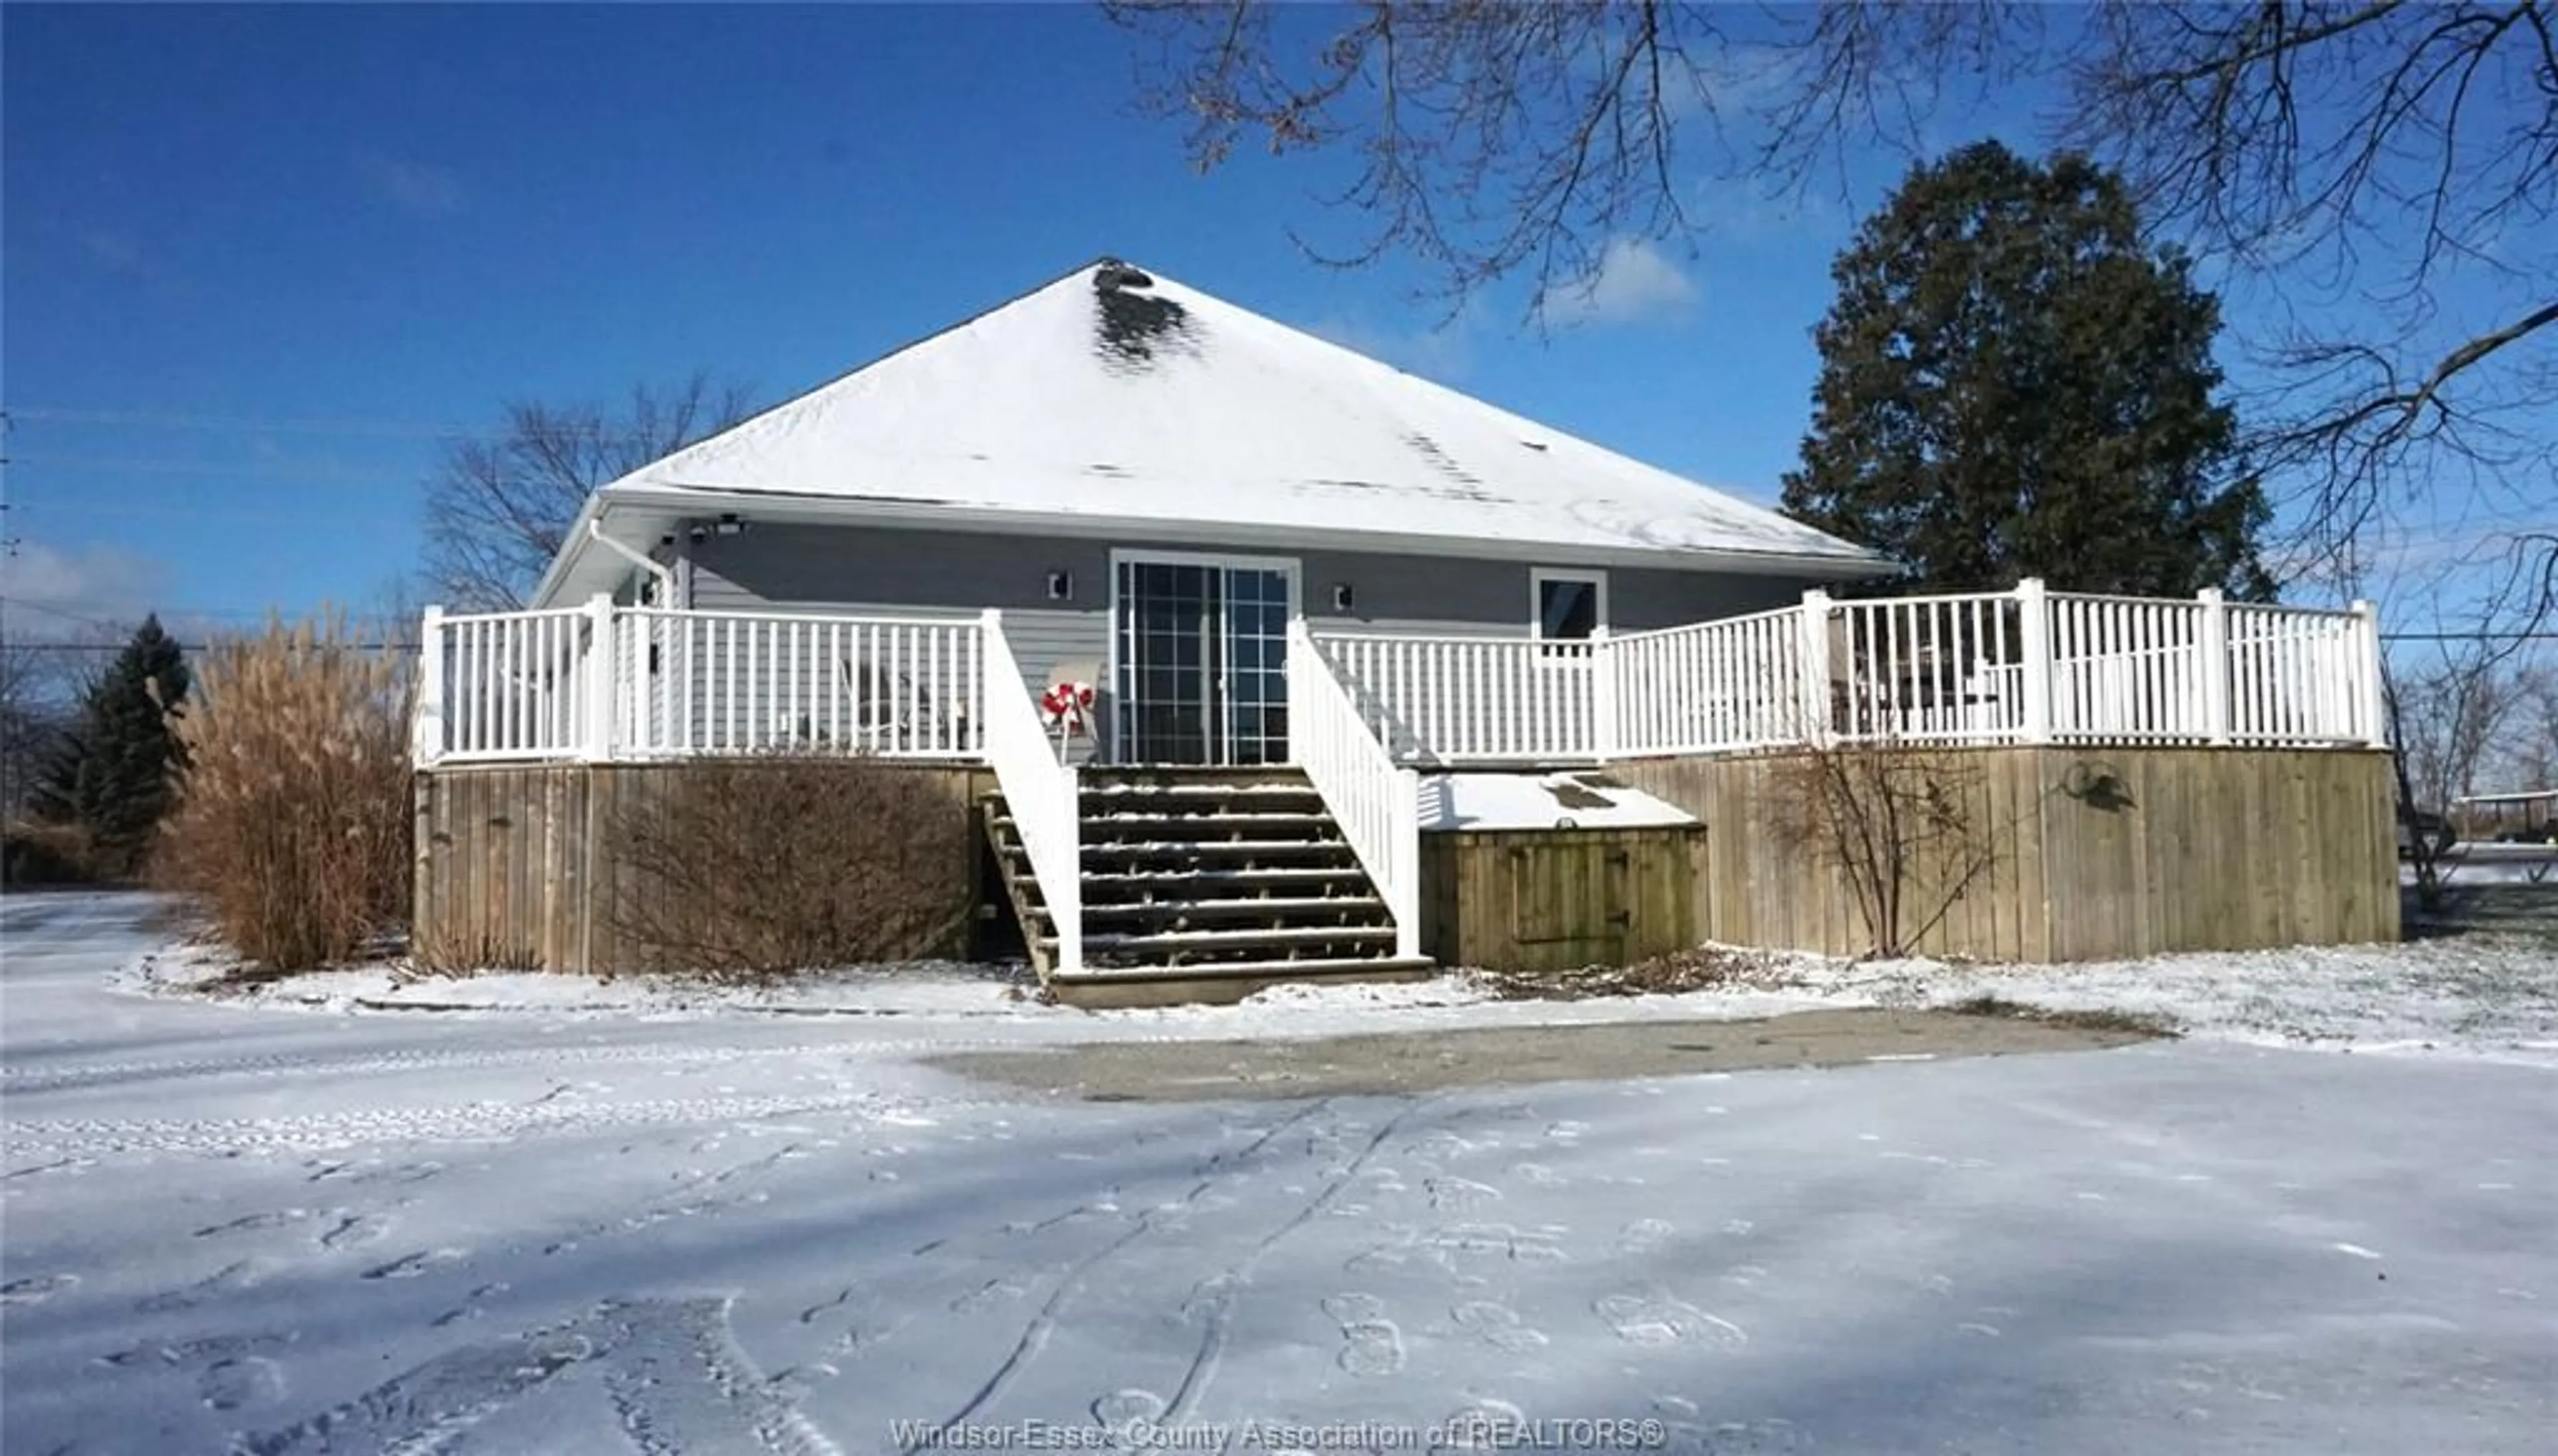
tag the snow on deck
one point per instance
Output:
(1156, 403)
(1571, 800)
(232, 1229)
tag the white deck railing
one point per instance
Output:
(2027, 666)
(513, 685)
(1473, 699)
(1376, 801)
(1715, 685)
(602, 683)
(1040, 793)
(738, 682)
(2022, 666)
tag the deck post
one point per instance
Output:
(1603, 732)
(598, 728)
(1407, 861)
(2372, 687)
(2212, 646)
(1812, 648)
(427, 742)
(2034, 635)
(990, 631)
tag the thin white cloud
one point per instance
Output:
(117, 253)
(1445, 353)
(1634, 280)
(420, 187)
(52, 594)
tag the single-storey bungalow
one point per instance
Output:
(1218, 619)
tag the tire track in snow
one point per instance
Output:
(470, 1122)
(1215, 1299)
(1037, 1332)
(19, 1079)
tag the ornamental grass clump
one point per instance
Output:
(291, 831)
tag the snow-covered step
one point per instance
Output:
(1228, 879)
(1179, 940)
(1221, 848)
(1340, 905)
(1350, 967)
(1281, 823)
(1186, 790)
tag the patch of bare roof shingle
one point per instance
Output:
(1428, 449)
(1136, 325)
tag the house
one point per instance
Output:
(1288, 581)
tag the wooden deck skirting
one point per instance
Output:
(515, 862)
(2189, 849)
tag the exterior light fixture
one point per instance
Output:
(1060, 585)
(729, 524)
(1341, 595)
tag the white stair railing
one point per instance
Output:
(1040, 793)
(1376, 803)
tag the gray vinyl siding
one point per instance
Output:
(959, 574)
(937, 573)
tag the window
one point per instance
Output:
(1570, 605)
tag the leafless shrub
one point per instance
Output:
(1697, 968)
(36, 853)
(292, 825)
(1896, 823)
(742, 870)
(2126, 1023)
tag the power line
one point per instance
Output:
(152, 420)
(2542, 635)
(117, 647)
(305, 474)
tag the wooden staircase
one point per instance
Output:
(1207, 882)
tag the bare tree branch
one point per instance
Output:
(2387, 166)
(498, 507)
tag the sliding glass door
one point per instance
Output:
(1199, 646)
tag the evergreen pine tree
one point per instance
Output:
(2014, 385)
(114, 775)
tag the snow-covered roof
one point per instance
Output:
(1114, 398)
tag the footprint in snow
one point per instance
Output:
(36, 1288)
(1768, 1437)
(236, 1384)
(1644, 1234)
(1497, 1325)
(1659, 1319)
(1538, 1174)
(1373, 1345)
(275, 1220)
(411, 1265)
(473, 1309)
(1120, 1409)
(1459, 1195)
(232, 1276)
(354, 1228)
(985, 1295)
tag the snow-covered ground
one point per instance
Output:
(670, 1229)
(2492, 994)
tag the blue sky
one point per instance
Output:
(257, 260)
